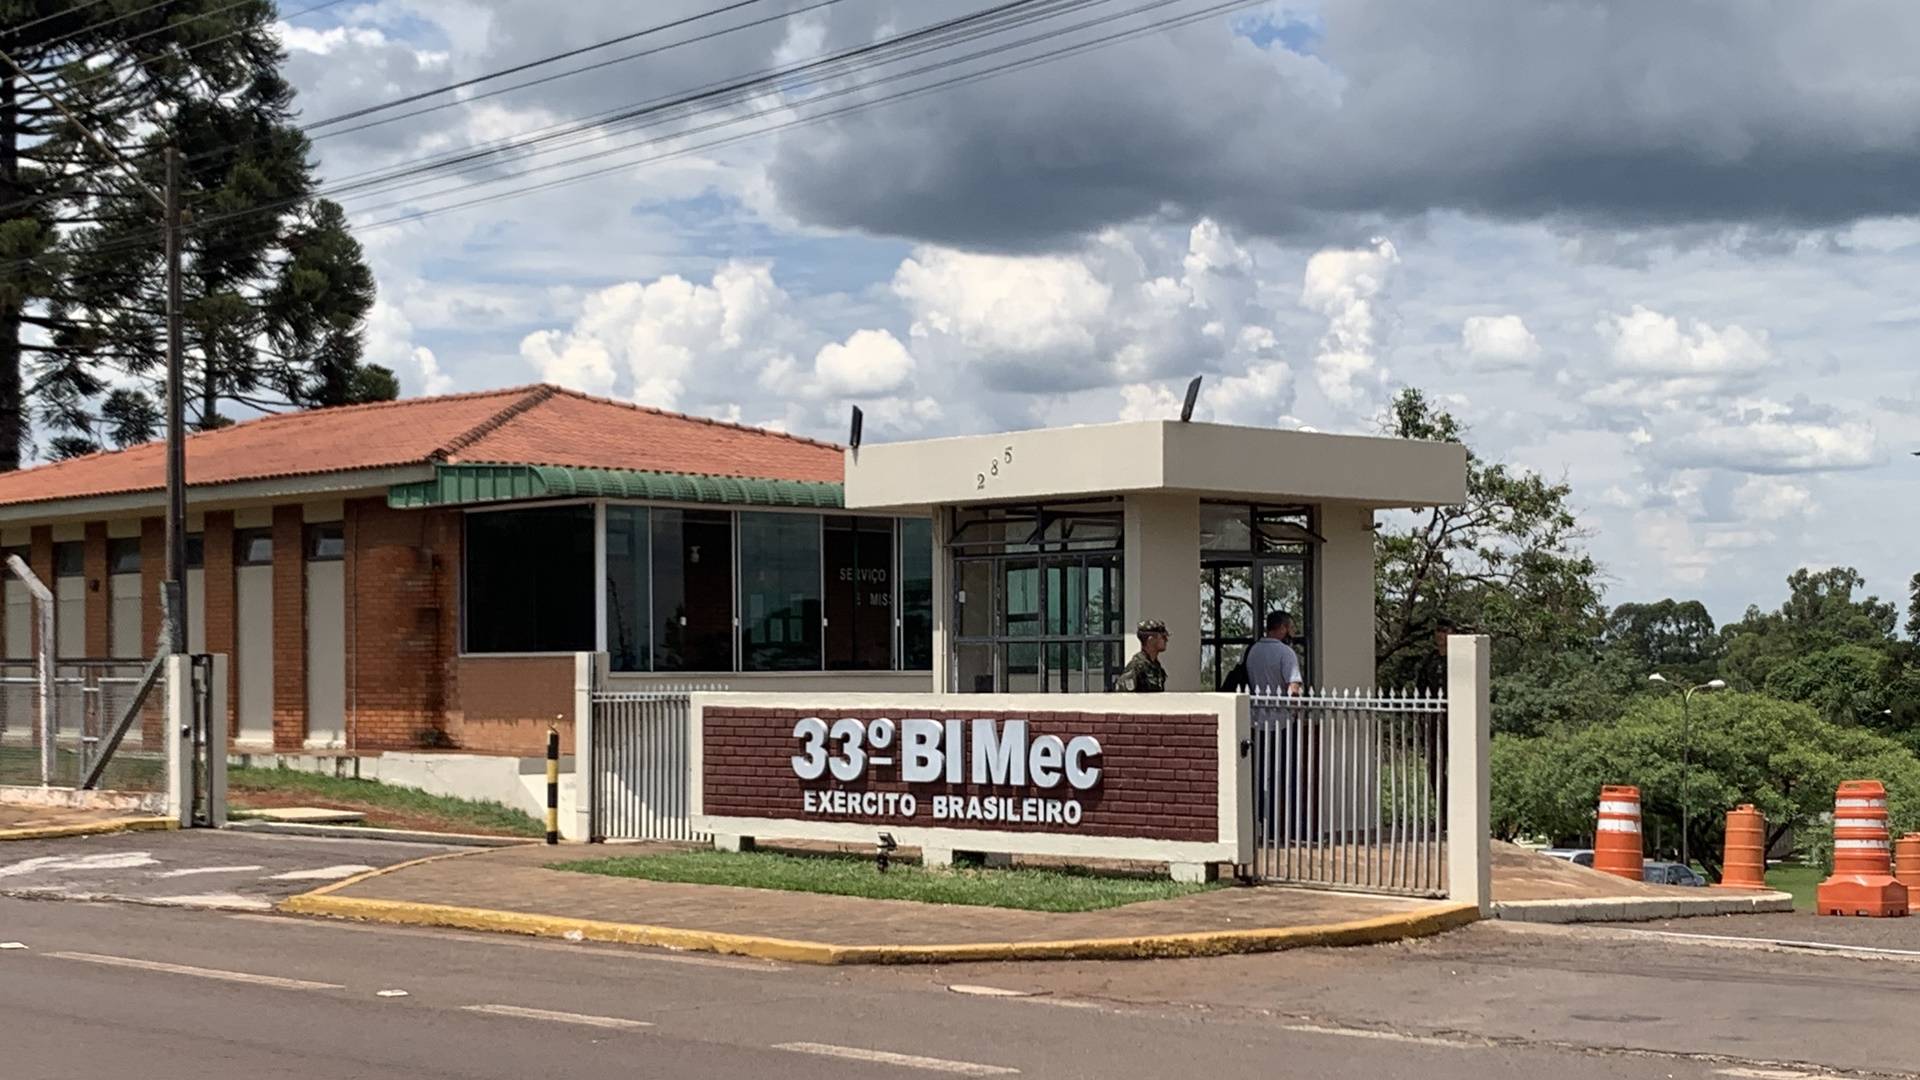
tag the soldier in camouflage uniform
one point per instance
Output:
(1143, 674)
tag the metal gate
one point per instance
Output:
(637, 773)
(1350, 791)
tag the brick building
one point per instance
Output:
(417, 574)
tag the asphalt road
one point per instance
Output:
(228, 870)
(112, 989)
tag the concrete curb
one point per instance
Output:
(91, 828)
(355, 832)
(325, 902)
(1640, 909)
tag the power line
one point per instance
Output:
(517, 68)
(725, 91)
(75, 9)
(1018, 64)
(1026, 62)
(110, 70)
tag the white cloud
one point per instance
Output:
(1649, 343)
(1499, 341)
(996, 304)
(1771, 498)
(870, 363)
(1342, 284)
(1771, 444)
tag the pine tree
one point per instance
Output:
(275, 289)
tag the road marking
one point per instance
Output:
(191, 871)
(635, 953)
(211, 902)
(1384, 1036)
(560, 1017)
(197, 972)
(389, 993)
(113, 860)
(1774, 1074)
(12, 945)
(323, 873)
(988, 991)
(1785, 943)
(906, 1061)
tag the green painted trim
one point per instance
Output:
(466, 485)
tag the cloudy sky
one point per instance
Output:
(1663, 249)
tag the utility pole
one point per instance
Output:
(176, 593)
(174, 596)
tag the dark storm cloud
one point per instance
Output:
(1768, 116)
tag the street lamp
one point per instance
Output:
(1686, 754)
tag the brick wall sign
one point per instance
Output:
(1118, 776)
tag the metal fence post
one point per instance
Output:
(1469, 744)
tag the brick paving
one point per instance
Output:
(517, 880)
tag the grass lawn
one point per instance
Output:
(1028, 890)
(386, 806)
(1799, 880)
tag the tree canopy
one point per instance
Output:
(275, 288)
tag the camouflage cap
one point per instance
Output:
(1151, 626)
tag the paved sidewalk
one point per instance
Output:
(36, 822)
(514, 888)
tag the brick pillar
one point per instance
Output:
(153, 572)
(289, 629)
(217, 562)
(99, 597)
(402, 625)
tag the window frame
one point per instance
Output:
(314, 533)
(117, 547)
(244, 541)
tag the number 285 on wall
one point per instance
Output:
(980, 479)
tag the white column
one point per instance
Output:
(1344, 599)
(1469, 740)
(1161, 534)
(589, 670)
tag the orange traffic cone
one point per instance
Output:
(1906, 863)
(1862, 881)
(1745, 863)
(1616, 841)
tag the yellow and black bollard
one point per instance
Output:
(553, 785)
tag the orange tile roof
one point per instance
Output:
(526, 425)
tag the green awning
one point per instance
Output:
(463, 485)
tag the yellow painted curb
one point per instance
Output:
(91, 828)
(1209, 943)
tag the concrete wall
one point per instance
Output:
(1345, 595)
(519, 782)
(1217, 460)
(1162, 579)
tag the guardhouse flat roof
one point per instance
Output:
(1210, 460)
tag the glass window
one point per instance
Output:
(859, 592)
(779, 592)
(529, 580)
(916, 594)
(1037, 598)
(1255, 560)
(253, 547)
(69, 559)
(326, 543)
(196, 551)
(692, 590)
(629, 626)
(123, 555)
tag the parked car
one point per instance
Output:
(1670, 873)
(1576, 856)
